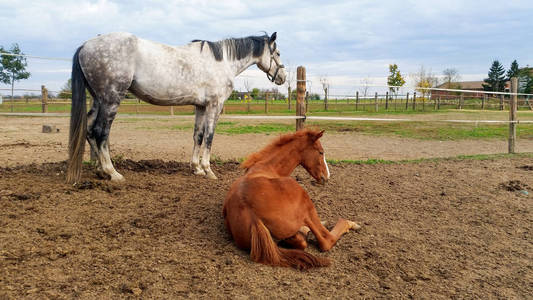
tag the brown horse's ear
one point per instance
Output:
(315, 137)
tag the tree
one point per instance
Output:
(66, 90)
(13, 67)
(423, 80)
(255, 93)
(289, 81)
(525, 80)
(513, 71)
(325, 87)
(451, 76)
(366, 82)
(395, 79)
(496, 80)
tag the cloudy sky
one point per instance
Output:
(345, 41)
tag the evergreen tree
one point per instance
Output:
(496, 80)
(514, 71)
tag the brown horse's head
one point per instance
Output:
(313, 158)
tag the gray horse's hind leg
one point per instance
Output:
(91, 118)
(98, 136)
(198, 138)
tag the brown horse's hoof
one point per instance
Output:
(354, 226)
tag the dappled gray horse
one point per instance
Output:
(200, 73)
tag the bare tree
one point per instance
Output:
(325, 87)
(424, 79)
(289, 81)
(451, 77)
(366, 82)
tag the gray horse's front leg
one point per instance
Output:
(213, 112)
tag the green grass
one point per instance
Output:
(421, 160)
(265, 128)
(416, 129)
(428, 130)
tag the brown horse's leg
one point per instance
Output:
(325, 238)
(297, 241)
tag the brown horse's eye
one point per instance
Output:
(321, 152)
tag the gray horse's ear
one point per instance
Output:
(273, 37)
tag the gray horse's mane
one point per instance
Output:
(236, 48)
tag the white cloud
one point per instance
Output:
(346, 40)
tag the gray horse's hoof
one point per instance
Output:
(211, 175)
(117, 177)
(199, 172)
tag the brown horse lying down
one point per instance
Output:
(266, 203)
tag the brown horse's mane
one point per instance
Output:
(253, 158)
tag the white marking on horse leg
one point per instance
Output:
(198, 137)
(106, 164)
(327, 168)
(195, 161)
(206, 165)
(354, 225)
(304, 230)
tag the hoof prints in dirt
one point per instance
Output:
(514, 186)
(164, 167)
(22, 196)
(90, 185)
(167, 167)
(526, 167)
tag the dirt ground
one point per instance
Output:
(170, 138)
(439, 229)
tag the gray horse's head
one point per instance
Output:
(270, 61)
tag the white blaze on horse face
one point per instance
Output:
(326, 164)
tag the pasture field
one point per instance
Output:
(444, 213)
(336, 106)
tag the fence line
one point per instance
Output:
(37, 57)
(261, 117)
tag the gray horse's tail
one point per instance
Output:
(78, 121)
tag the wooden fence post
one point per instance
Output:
(414, 100)
(376, 102)
(407, 101)
(387, 101)
(512, 114)
(483, 101)
(356, 100)
(44, 99)
(171, 110)
(300, 97)
(461, 100)
(501, 102)
(438, 103)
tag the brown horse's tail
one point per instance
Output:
(265, 251)
(78, 122)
